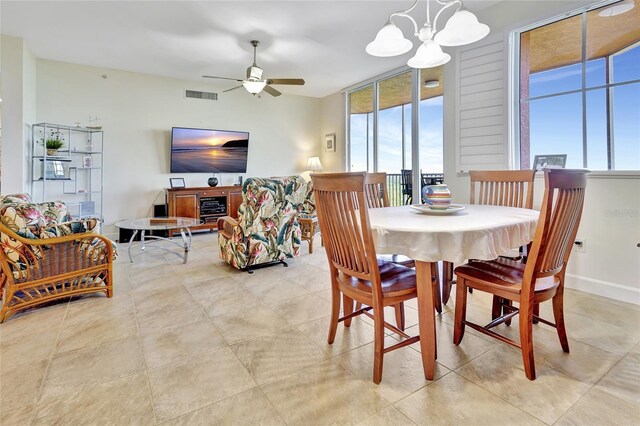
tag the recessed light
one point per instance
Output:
(430, 84)
(617, 9)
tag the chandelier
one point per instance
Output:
(462, 28)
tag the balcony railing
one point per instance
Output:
(399, 194)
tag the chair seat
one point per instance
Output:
(501, 274)
(396, 280)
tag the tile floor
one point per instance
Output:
(203, 343)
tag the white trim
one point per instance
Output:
(362, 84)
(603, 288)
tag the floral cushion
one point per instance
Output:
(267, 227)
(15, 198)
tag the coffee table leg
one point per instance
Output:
(186, 242)
(426, 318)
(135, 232)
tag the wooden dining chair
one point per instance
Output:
(509, 188)
(541, 278)
(356, 273)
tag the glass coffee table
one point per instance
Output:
(149, 224)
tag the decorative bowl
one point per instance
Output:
(437, 197)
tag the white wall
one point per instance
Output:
(18, 104)
(333, 122)
(137, 112)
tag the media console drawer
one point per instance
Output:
(206, 204)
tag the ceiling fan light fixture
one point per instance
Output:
(617, 8)
(429, 55)
(254, 87)
(389, 42)
(431, 84)
(462, 28)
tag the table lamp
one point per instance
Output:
(314, 164)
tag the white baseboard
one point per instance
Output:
(603, 288)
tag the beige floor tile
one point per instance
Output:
(272, 357)
(454, 400)
(19, 417)
(402, 371)
(500, 371)
(617, 338)
(623, 380)
(482, 315)
(222, 296)
(23, 351)
(603, 409)
(387, 417)
(104, 363)
(244, 325)
(97, 306)
(273, 288)
(324, 393)
(199, 270)
(188, 385)
(347, 338)
(77, 335)
(411, 317)
(248, 408)
(19, 386)
(161, 298)
(21, 325)
(147, 269)
(303, 309)
(122, 401)
(309, 277)
(165, 347)
(169, 317)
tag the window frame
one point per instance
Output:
(513, 104)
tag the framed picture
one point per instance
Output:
(330, 142)
(177, 182)
(555, 161)
(87, 161)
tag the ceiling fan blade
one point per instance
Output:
(233, 88)
(222, 78)
(270, 90)
(291, 81)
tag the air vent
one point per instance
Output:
(201, 95)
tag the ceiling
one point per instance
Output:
(320, 41)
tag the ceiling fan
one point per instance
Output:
(254, 83)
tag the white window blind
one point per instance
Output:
(481, 108)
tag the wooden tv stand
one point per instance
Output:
(206, 204)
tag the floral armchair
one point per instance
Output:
(46, 255)
(267, 228)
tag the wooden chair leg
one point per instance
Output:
(400, 320)
(447, 278)
(536, 312)
(347, 308)
(461, 311)
(558, 315)
(378, 344)
(435, 284)
(335, 315)
(508, 303)
(496, 307)
(526, 340)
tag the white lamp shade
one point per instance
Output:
(314, 164)
(462, 28)
(429, 55)
(389, 42)
(254, 86)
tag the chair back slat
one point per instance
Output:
(511, 188)
(344, 224)
(557, 225)
(376, 190)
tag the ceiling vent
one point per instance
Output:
(201, 95)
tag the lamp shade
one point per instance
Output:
(429, 55)
(462, 28)
(254, 86)
(389, 42)
(314, 164)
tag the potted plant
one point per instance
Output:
(54, 142)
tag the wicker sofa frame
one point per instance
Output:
(56, 268)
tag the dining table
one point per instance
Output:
(467, 232)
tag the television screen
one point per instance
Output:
(208, 151)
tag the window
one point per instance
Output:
(391, 148)
(579, 85)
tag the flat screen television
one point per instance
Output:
(208, 151)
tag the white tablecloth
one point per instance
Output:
(478, 232)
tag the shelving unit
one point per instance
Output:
(74, 174)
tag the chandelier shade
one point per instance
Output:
(462, 28)
(389, 42)
(429, 55)
(254, 87)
